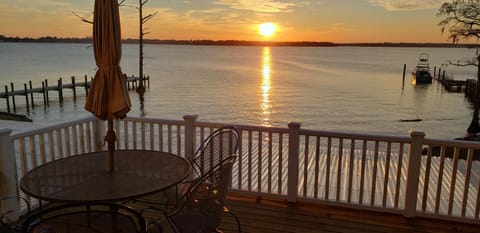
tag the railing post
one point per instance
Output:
(8, 171)
(99, 134)
(190, 135)
(413, 173)
(293, 152)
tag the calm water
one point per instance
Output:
(354, 89)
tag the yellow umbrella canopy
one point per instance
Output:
(108, 97)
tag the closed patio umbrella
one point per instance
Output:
(108, 96)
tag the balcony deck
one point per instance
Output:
(276, 216)
(261, 215)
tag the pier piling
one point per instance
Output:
(6, 97)
(31, 94)
(26, 97)
(13, 98)
(60, 91)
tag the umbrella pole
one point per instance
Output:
(110, 138)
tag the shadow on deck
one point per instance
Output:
(275, 215)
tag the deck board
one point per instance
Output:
(276, 216)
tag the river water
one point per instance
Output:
(353, 89)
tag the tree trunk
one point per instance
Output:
(474, 127)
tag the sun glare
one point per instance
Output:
(267, 29)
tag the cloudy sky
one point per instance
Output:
(296, 20)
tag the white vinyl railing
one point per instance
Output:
(412, 176)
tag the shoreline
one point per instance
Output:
(49, 39)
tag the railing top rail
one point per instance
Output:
(456, 143)
(244, 127)
(350, 135)
(156, 120)
(29, 132)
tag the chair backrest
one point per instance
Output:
(201, 210)
(85, 218)
(220, 144)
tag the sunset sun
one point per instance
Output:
(267, 29)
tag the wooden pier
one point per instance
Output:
(28, 90)
(469, 86)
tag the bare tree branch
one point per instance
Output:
(83, 19)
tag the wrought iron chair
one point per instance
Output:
(85, 218)
(204, 201)
(10, 219)
(219, 145)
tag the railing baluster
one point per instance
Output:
(387, 174)
(280, 162)
(399, 174)
(41, 142)
(453, 181)
(240, 158)
(374, 175)
(169, 138)
(179, 140)
(350, 170)
(135, 136)
(317, 167)
(160, 136)
(152, 134)
(88, 137)
(142, 131)
(270, 139)
(440, 178)
(250, 172)
(305, 166)
(339, 168)
(467, 181)
(362, 172)
(259, 161)
(427, 177)
(327, 173)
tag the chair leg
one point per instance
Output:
(237, 219)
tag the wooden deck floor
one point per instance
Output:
(261, 215)
(276, 216)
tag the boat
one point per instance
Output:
(421, 73)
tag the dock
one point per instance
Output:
(29, 90)
(469, 86)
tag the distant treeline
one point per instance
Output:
(54, 39)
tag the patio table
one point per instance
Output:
(84, 178)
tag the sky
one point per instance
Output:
(341, 21)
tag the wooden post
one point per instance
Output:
(190, 135)
(7, 98)
(413, 173)
(434, 71)
(31, 94)
(86, 85)
(293, 154)
(44, 95)
(74, 89)
(403, 80)
(26, 96)
(60, 91)
(46, 92)
(8, 171)
(13, 98)
(439, 72)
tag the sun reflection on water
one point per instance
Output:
(266, 85)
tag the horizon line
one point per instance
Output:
(87, 39)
